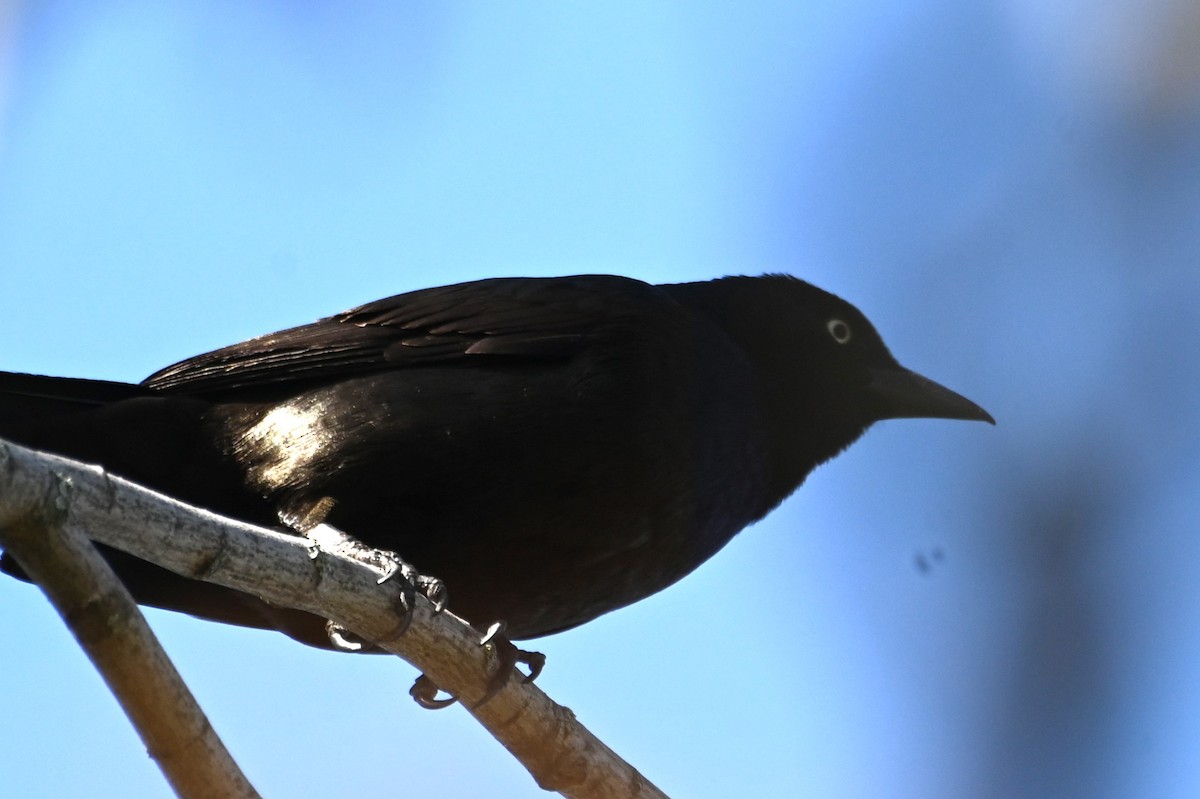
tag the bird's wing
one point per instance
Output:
(527, 318)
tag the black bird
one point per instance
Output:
(551, 448)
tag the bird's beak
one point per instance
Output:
(903, 394)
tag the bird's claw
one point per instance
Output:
(493, 632)
(536, 661)
(344, 640)
(508, 656)
(323, 537)
(432, 588)
(425, 691)
(412, 582)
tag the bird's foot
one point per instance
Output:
(509, 656)
(432, 588)
(412, 582)
(425, 691)
(324, 538)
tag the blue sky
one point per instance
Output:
(1009, 193)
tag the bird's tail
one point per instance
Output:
(28, 402)
(159, 441)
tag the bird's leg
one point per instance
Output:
(323, 537)
(425, 691)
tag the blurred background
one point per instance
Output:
(1009, 188)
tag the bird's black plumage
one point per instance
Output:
(552, 448)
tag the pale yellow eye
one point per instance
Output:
(839, 330)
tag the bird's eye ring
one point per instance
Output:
(839, 330)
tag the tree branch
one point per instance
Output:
(545, 737)
(112, 631)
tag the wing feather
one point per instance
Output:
(530, 318)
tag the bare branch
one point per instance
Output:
(558, 751)
(112, 631)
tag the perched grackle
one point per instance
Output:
(551, 448)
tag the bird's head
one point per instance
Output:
(823, 371)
